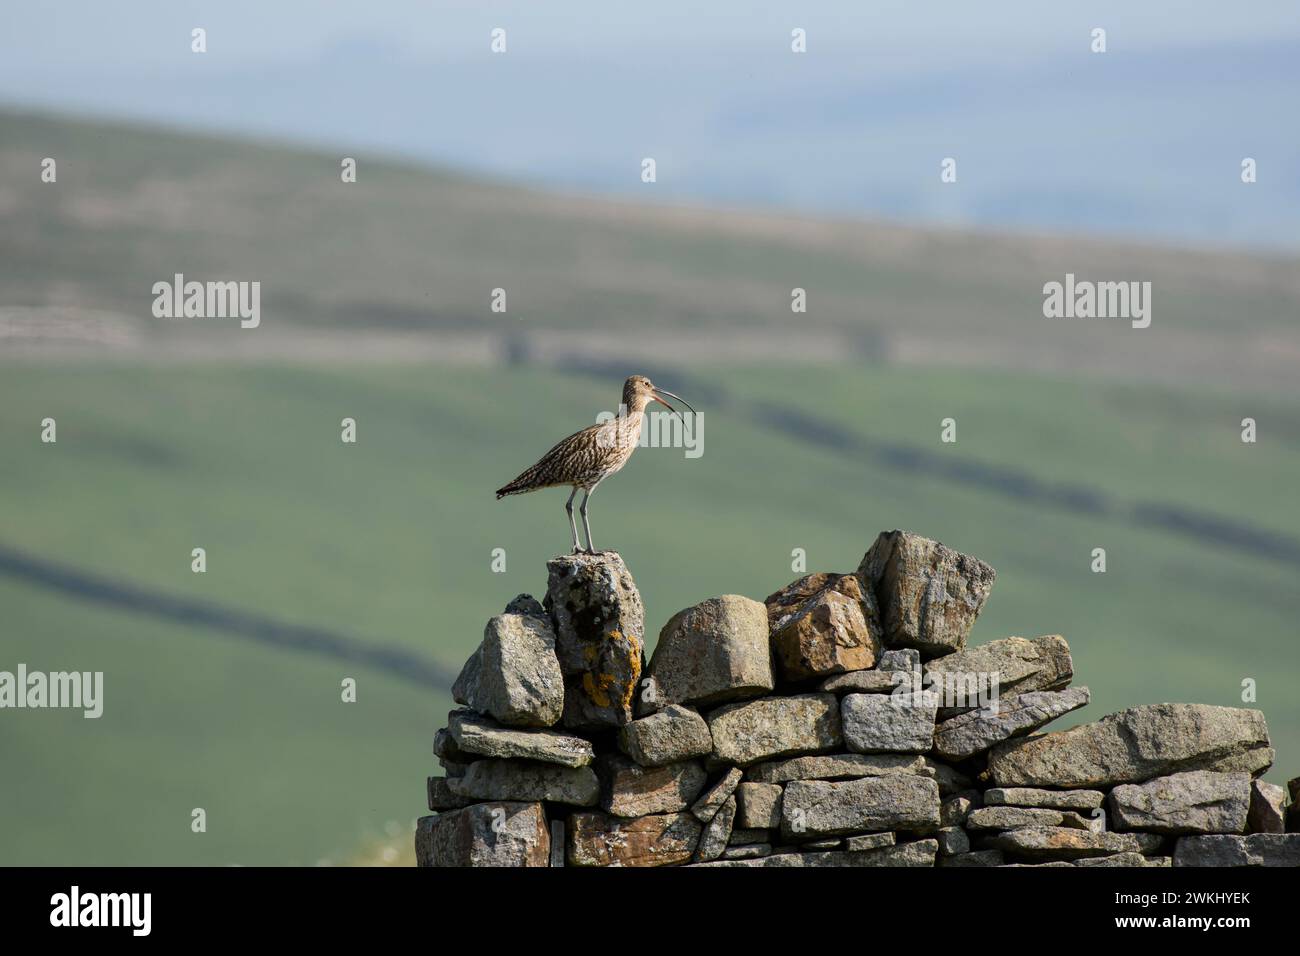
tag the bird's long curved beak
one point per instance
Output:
(659, 394)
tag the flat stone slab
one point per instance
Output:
(1069, 843)
(711, 802)
(1050, 799)
(596, 839)
(527, 780)
(473, 734)
(929, 595)
(485, 834)
(717, 833)
(863, 682)
(838, 767)
(887, 723)
(823, 808)
(630, 790)
(975, 858)
(1199, 801)
(977, 730)
(1021, 666)
(917, 853)
(1257, 849)
(771, 727)
(1136, 745)
(1012, 818)
(675, 733)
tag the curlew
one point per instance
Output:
(586, 458)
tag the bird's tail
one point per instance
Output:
(516, 487)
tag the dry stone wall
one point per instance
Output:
(841, 722)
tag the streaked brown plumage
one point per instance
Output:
(586, 458)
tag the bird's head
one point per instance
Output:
(639, 391)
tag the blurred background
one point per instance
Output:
(522, 171)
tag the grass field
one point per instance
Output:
(390, 540)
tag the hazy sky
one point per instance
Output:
(1146, 138)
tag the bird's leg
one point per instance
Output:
(591, 548)
(573, 528)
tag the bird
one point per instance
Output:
(586, 458)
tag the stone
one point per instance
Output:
(1198, 801)
(860, 682)
(785, 603)
(952, 841)
(444, 747)
(485, 834)
(1069, 842)
(954, 810)
(900, 660)
(441, 798)
(770, 727)
(465, 687)
(712, 653)
(950, 779)
(473, 734)
(816, 808)
(1293, 805)
(1012, 818)
(517, 677)
(975, 858)
(742, 835)
(630, 790)
(878, 723)
(917, 853)
(1124, 859)
(977, 730)
(709, 804)
(928, 595)
(869, 841)
(837, 767)
(1267, 813)
(1136, 745)
(528, 605)
(599, 637)
(596, 839)
(758, 805)
(1021, 666)
(1257, 849)
(1049, 799)
(837, 630)
(713, 841)
(673, 734)
(527, 780)
(749, 851)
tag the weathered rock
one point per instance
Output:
(929, 595)
(630, 790)
(675, 733)
(814, 808)
(771, 727)
(1135, 745)
(975, 858)
(596, 839)
(758, 805)
(860, 842)
(713, 841)
(1293, 805)
(785, 603)
(599, 637)
(528, 605)
(1267, 808)
(1198, 801)
(836, 630)
(465, 687)
(1050, 799)
(473, 734)
(485, 834)
(1012, 818)
(952, 841)
(950, 779)
(1123, 859)
(878, 723)
(444, 747)
(1069, 842)
(441, 798)
(1257, 849)
(527, 780)
(515, 673)
(837, 767)
(917, 853)
(743, 835)
(714, 652)
(977, 730)
(709, 804)
(860, 682)
(900, 660)
(1020, 666)
(748, 851)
